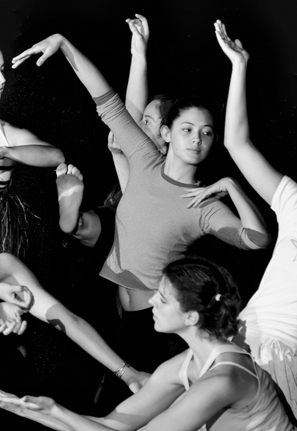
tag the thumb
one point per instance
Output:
(134, 387)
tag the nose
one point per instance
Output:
(196, 141)
(152, 300)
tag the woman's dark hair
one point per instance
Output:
(202, 286)
(165, 104)
(114, 196)
(190, 101)
(13, 223)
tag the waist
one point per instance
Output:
(134, 300)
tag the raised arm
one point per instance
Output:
(85, 70)
(109, 106)
(50, 310)
(27, 148)
(137, 91)
(260, 174)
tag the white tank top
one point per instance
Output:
(264, 413)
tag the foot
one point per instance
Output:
(70, 189)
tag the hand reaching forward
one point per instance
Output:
(233, 50)
(36, 408)
(10, 319)
(218, 189)
(48, 47)
(140, 34)
(17, 295)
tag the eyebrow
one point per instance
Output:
(148, 116)
(163, 296)
(192, 124)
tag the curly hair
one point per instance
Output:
(202, 286)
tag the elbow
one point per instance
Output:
(255, 240)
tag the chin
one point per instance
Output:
(158, 328)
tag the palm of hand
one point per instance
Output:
(9, 313)
(233, 49)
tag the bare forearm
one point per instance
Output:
(85, 70)
(86, 337)
(76, 422)
(137, 89)
(35, 155)
(236, 124)
(248, 213)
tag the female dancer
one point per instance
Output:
(269, 321)
(153, 225)
(223, 389)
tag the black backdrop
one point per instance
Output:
(183, 55)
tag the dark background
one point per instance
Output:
(183, 56)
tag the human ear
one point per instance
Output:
(165, 133)
(192, 318)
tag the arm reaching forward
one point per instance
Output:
(260, 174)
(45, 307)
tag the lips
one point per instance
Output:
(194, 151)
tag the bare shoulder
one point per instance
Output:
(236, 382)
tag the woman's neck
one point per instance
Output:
(202, 346)
(179, 171)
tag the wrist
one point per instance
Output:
(240, 64)
(139, 58)
(124, 372)
(229, 183)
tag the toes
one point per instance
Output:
(61, 169)
(80, 176)
(69, 169)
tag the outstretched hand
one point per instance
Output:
(48, 47)
(233, 50)
(35, 408)
(218, 190)
(140, 34)
(17, 295)
(10, 319)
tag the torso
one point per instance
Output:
(134, 300)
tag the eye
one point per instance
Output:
(161, 298)
(186, 130)
(207, 133)
(146, 122)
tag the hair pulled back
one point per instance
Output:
(202, 286)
